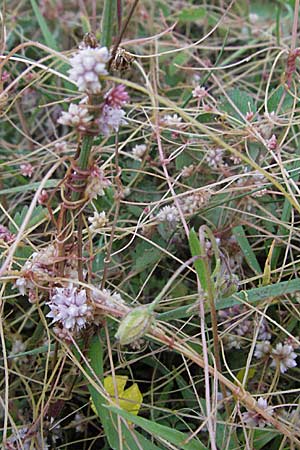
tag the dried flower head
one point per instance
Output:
(194, 202)
(87, 67)
(69, 306)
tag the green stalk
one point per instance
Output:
(107, 24)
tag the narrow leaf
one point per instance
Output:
(48, 36)
(196, 250)
(173, 436)
(249, 255)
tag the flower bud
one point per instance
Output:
(134, 325)
(228, 285)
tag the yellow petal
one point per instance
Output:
(131, 399)
(120, 381)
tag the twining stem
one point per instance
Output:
(211, 294)
(117, 210)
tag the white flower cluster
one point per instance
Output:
(37, 268)
(168, 214)
(96, 184)
(110, 120)
(77, 116)
(214, 158)
(98, 221)
(172, 121)
(189, 204)
(25, 440)
(192, 203)
(104, 298)
(199, 92)
(283, 355)
(69, 306)
(138, 151)
(255, 180)
(87, 66)
(254, 419)
(241, 329)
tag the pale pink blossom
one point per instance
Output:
(88, 65)
(70, 307)
(26, 170)
(117, 96)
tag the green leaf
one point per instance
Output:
(196, 250)
(251, 296)
(248, 253)
(181, 440)
(28, 187)
(107, 25)
(275, 99)
(242, 101)
(129, 438)
(146, 255)
(48, 35)
(39, 213)
(192, 14)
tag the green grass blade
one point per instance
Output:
(196, 250)
(28, 187)
(248, 253)
(109, 421)
(169, 434)
(254, 295)
(48, 36)
(109, 14)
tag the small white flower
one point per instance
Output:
(17, 347)
(69, 307)
(97, 182)
(199, 92)
(188, 171)
(262, 349)
(77, 116)
(106, 298)
(284, 356)
(97, 222)
(194, 202)
(172, 121)
(272, 142)
(139, 150)
(26, 170)
(254, 419)
(23, 284)
(214, 158)
(168, 214)
(111, 119)
(263, 334)
(87, 66)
